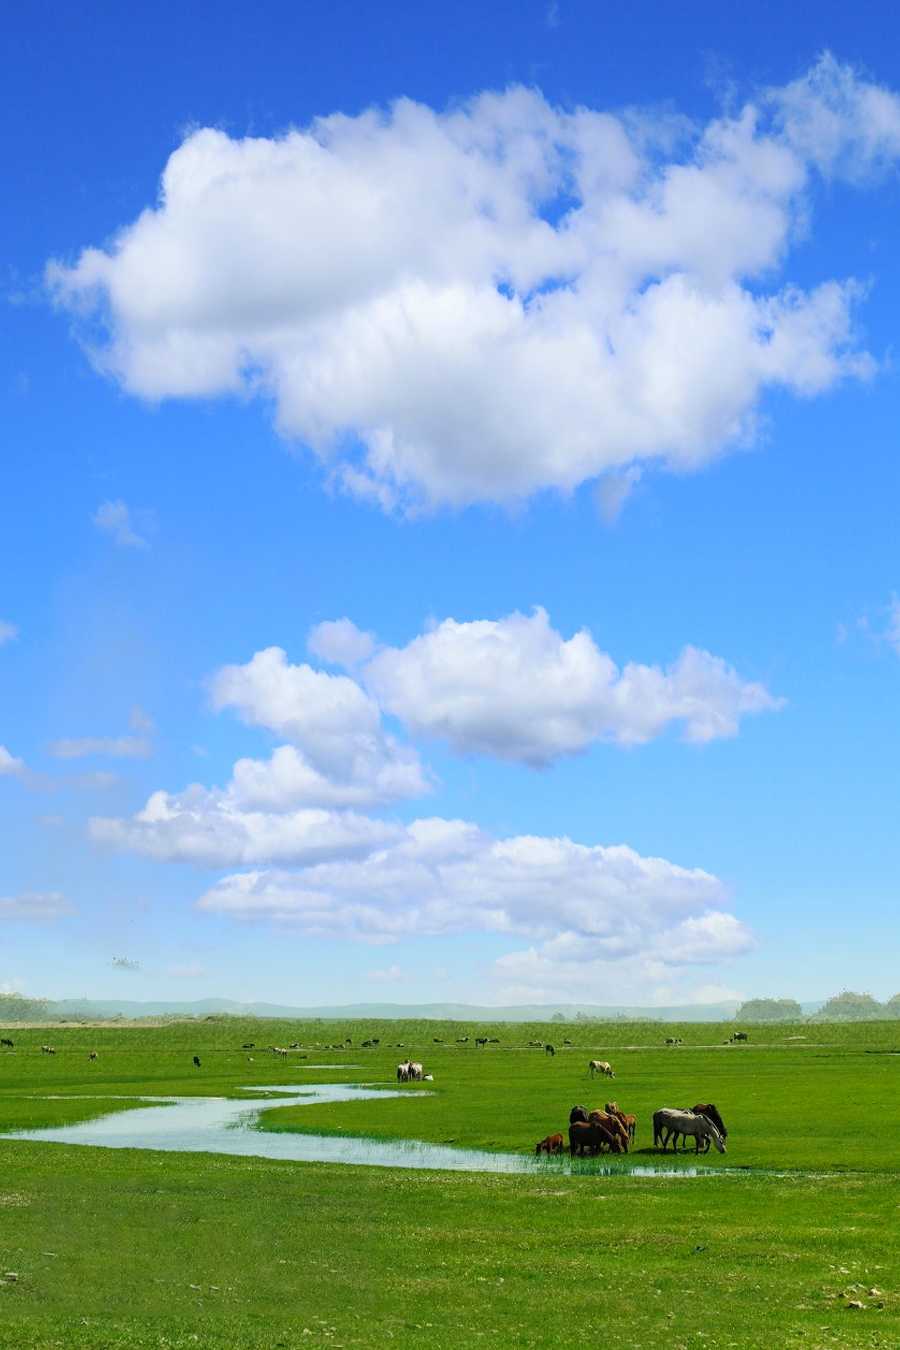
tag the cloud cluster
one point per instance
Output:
(513, 688)
(477, 304)
(114, 519)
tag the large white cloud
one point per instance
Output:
(495, 299)
(581, 903)
(517, 689)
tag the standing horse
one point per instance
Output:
(669, 1124)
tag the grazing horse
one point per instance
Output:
(4, 1040)
(196, 1061)
(578, 1114)
(403, 1072)
(709, 1110)
(554, 1143)
(416, 1071)
(600, 1066)
(628, 1122)
(590, 1135)
(550, 1049)
(669, 1124)
(611, 1123)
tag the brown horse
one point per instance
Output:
(578, 1113)
(554, 1143)
(593, 1137)
(709, 1110)
(612, 1124)
(629, 1122)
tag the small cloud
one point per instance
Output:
(613, 491)
(116, 747)
(9, 764)
(125, 963)
(188, 972)
(35, 906)
(8, 632)
(114, 518)
(390, 974)
(99, 780)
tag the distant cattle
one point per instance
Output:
(549, 1049)
(47, 1050)
(535, 1045)
(249, 1046)
(674, 1040)
(554, 1143)
(436, 1040)
(600, 1066)
(739, 1036)
(92, 1055)
(196, 1061)
(4, 1040)
(480, 1040)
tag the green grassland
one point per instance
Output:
(126, 1248)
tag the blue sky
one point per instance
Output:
(569, 383)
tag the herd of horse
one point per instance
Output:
(613, 1130)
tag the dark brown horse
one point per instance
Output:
(591, 1137)
(578, 1113)
(612, 1124)
(709, 1110)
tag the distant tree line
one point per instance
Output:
(18, 1008)
(844, 1007)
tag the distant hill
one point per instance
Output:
(460, 1012)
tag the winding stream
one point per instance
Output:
(223, 1125)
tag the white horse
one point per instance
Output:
(403, 1071)
(670, 1123)
(416, 1071)
(601, 1066)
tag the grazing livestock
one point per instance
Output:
(554, 1143)
(436, 1040)
(612, 1124)
(196, 1061)
(709, 1110)
(6, 1041)
(462, 1040)
(93, 1055)
(249, 1046)
(628, 1121)
(600, 1066)
(578, 1113)
(403, 1072)
(47, 1050)
(669, 1124)
(674, 1040)
(739, 1036)
(480, 1040)
(589, 1135)
(535, 1045)
(550, 1049)
(416, 1071)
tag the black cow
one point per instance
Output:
(196, 1061)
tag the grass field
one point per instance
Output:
(137, 1248)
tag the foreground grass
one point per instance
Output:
(127, 1249)
(137, 1249)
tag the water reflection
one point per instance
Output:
(223, 1125)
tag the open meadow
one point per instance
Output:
(772, 1243)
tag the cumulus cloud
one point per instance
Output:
(9, 764)
(447, 876)
(114, 519)
(125, 963)
(39, 906)
(477, 304)
(202, 825)
(517, 689)
(340, 643)
(8, 632)
(339, 754)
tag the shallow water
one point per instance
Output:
(223, 1125)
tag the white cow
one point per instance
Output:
(600, 1066)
